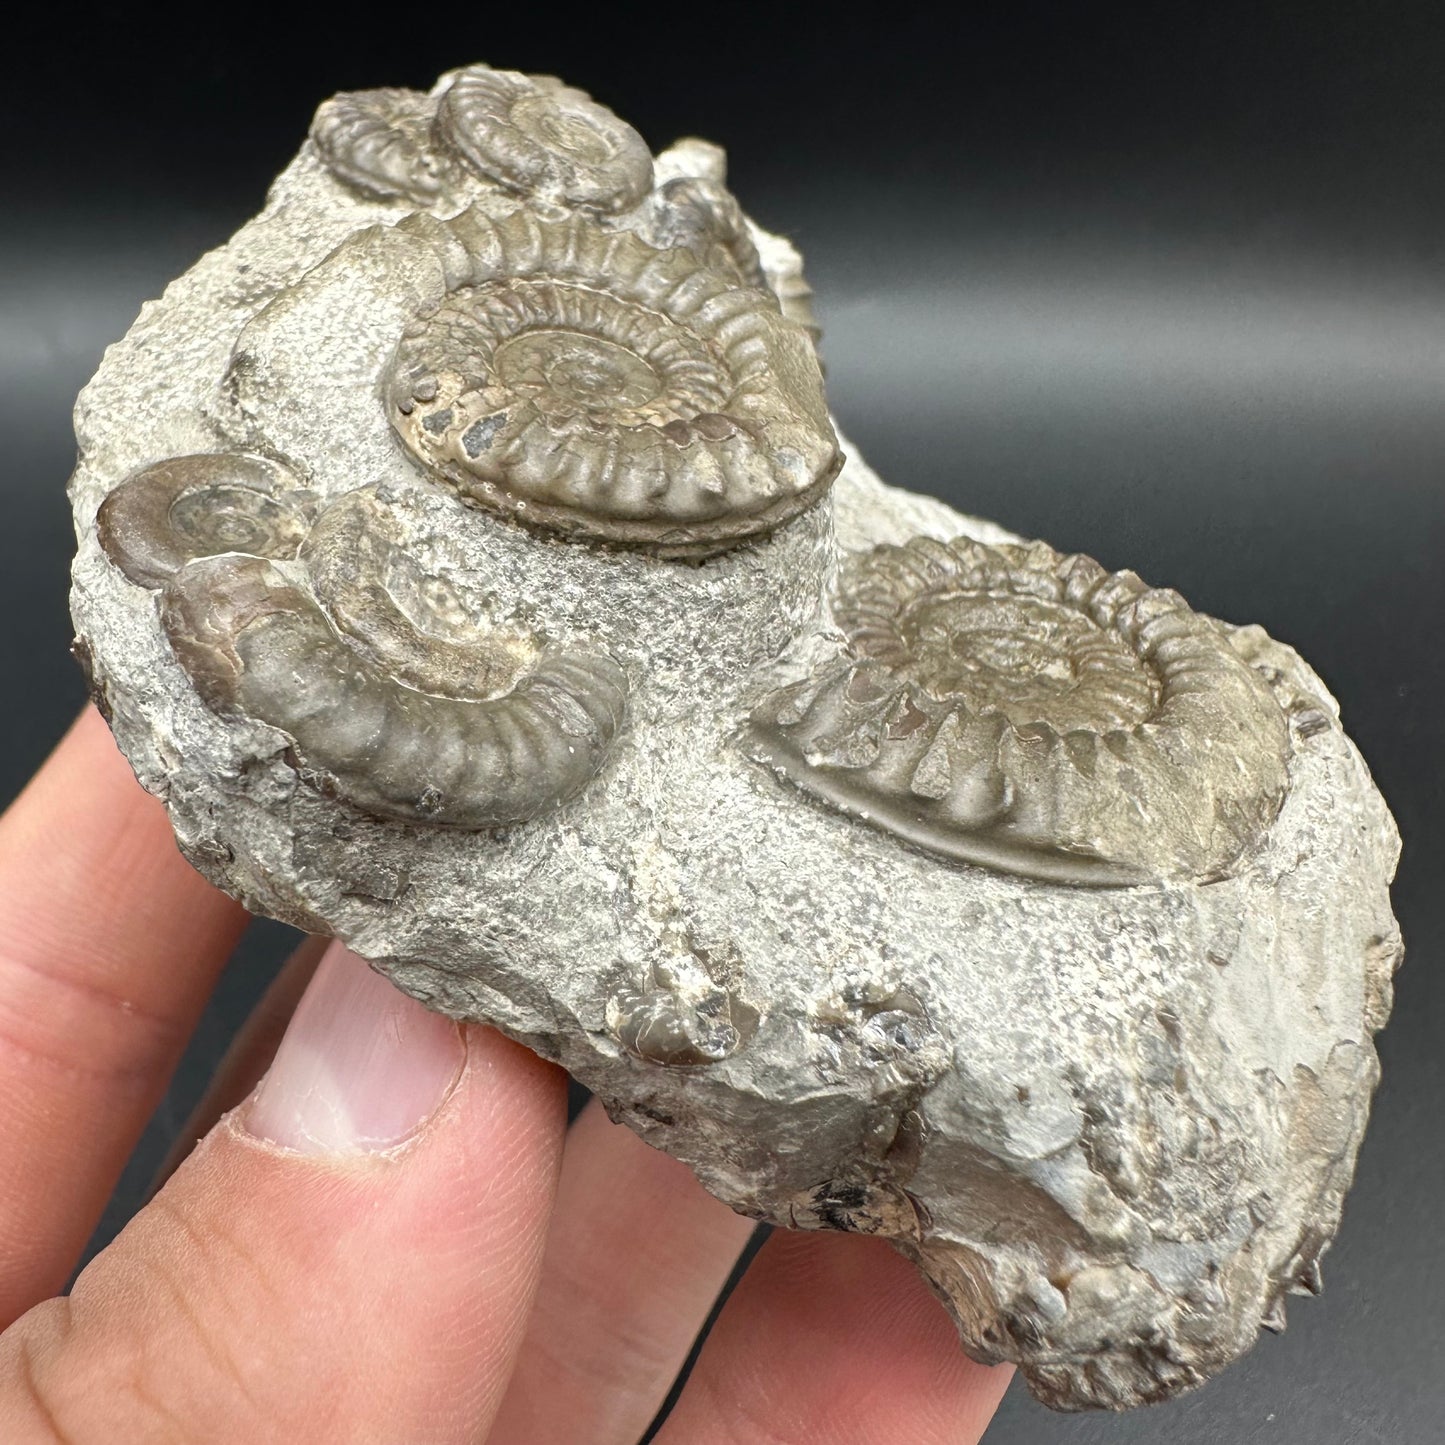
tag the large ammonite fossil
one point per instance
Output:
(379, 142)
(541, 138)
(580, 379)
(1013, 707)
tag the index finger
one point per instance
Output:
(109, 946)
(833, 1337)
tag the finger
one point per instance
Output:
(636, 1257)
(351, 1255)
(835, 1338)
(109, 946)
(250, 1053)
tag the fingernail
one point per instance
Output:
(361, 1068)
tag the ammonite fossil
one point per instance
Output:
(379, 142)
(580, 379)
(1013, 707)
(256, 644)
(170, 513)
(704, 216)
(541, 138)
(680, 1022)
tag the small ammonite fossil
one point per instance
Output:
(579, 379)
(674, 1027)
(704, 216)
(258, 645)
(1032, 712)
(174, 511)
(379, 142)
(536, 136)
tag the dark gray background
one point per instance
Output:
(1162, 284)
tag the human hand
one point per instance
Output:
(393, 1237)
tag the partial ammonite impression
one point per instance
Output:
(409, 620)
(379, 142)
(580, 379)
(539, 137)
(174, 511)
(402, 720)
(1016, 708)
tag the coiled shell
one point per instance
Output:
(541, 138)
(582, 380)
(379, 142)
(1032, 712)
(168, 514)
(704, 216)
(398, 721)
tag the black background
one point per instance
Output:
(1159, 283)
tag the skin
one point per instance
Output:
(491, 1278)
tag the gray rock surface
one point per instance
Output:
(1113, 1126)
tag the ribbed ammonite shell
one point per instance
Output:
(704, 216)
(379, 142)
(382, 711)
(539, 137)
(168, 514)
(1032, 712)
(580, 379)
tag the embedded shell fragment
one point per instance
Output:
(476, 729)
(704, 216)
(255, 644)
(1114, 1126)
(1017, 708)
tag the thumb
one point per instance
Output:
(350, 1255)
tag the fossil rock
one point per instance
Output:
(178, 510)
(760, 805)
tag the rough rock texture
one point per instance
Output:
(1113, 1125)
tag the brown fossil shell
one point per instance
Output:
(168, 514)
(379, 142)
(1031, 712)
(256, 644)
(582, 380)
(539, 137)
